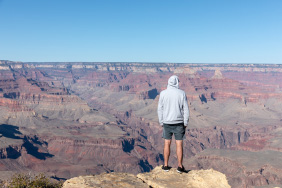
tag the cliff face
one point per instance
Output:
(71, 119)
(238, 175)
(155, 178)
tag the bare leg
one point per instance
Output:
(179, 151)
(166, 151)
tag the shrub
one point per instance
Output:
(1, 183)
(27, 181)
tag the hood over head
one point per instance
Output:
(173, 81)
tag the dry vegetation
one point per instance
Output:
(28, 181)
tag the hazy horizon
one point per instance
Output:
(129, 62)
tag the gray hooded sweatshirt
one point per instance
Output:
(173, 105)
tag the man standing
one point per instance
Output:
(173, 113)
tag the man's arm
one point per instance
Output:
(186, 111)
(160, 110)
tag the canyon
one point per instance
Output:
(77, 118)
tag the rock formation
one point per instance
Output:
(71, 119)
(157, 178)
(217, 75)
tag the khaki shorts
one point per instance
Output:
(177, 129)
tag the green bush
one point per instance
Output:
(27, 181)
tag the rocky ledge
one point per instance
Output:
(157, 178)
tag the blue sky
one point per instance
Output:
(180, 31)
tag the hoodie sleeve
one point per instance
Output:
(160, 109)
(186, 111)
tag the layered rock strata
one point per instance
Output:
(71, 119)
